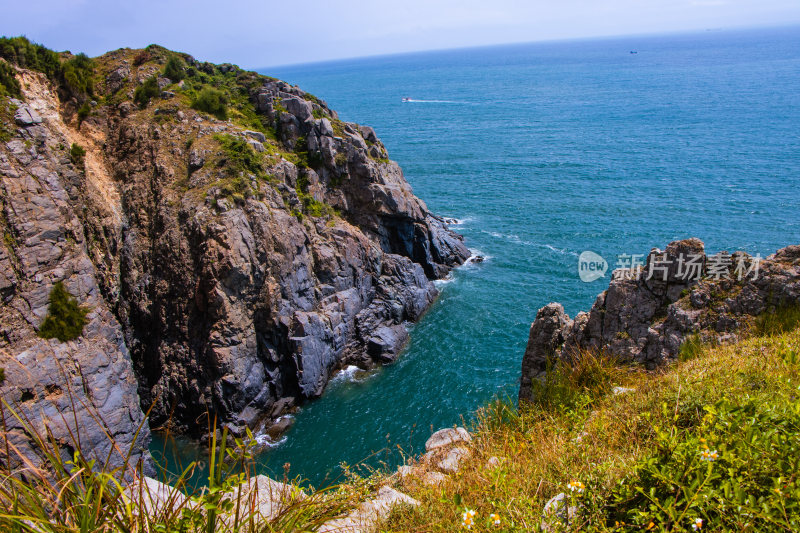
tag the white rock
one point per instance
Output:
(154, 497)
(616, 391)
(452, 461)
(264, 497)
(367, 516)
(447, 436)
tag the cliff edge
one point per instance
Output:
(235, 241)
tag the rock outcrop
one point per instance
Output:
(645, 315)
(228, 270)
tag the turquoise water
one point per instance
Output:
(543, 151)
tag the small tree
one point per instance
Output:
(174, 69)
(65, 318)
(213, 102)
(145, 92)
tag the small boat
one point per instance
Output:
(406, 99)
(634, 51)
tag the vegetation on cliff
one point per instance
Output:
(65, 318)
(712, 441)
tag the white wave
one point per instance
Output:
(265, 440)
(444, 281)
(517, 240)
(346, 374)
(452, 221)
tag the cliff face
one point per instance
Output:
(646, 317)
(231, 265)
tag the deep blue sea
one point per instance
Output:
(543, 151)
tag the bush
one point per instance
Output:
(23, 53)
(145, 92)
(174, 69)
(77, 75)
(8, 81)
(74, 76)
(77, 155)
(2, 375)
(65, 318)
(84, 111)
(212, 101)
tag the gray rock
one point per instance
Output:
(262, 499)
(257, 135)
(26, 116)
(255, 145)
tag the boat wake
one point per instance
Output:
(517, 240)
(421, 101)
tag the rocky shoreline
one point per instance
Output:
(229, 269)
(646, 315)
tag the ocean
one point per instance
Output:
(542, 151)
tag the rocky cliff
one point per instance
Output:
(235, 241)
(647, 314)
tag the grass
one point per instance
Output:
(639, 455)
(77, 155)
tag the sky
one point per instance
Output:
(267, 33)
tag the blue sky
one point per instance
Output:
(267, 33)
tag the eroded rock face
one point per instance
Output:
(647, 320)
(240, 303)
(84, 390)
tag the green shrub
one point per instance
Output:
(83, 112)
(77, 155)
(146, 91)
(174, 69)
(77, 75)
(23, 53)
(211, 101)
(74, 76)
(737, 471)
(65, 318)
(8, 81)
(2, 375)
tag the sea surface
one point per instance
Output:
(542, 151)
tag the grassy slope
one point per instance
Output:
(740, 398)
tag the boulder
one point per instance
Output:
(452, 460)
(446, 437)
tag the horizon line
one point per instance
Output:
(789, 25)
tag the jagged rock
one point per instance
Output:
(451, 462)
(25, 116)
(255, 145)
(558, 513)
(368, 133)
(211, 295)
(116, 79)
(544, 339)
(196, 160)
(368, 516)
(446, 437)
(645, 316)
